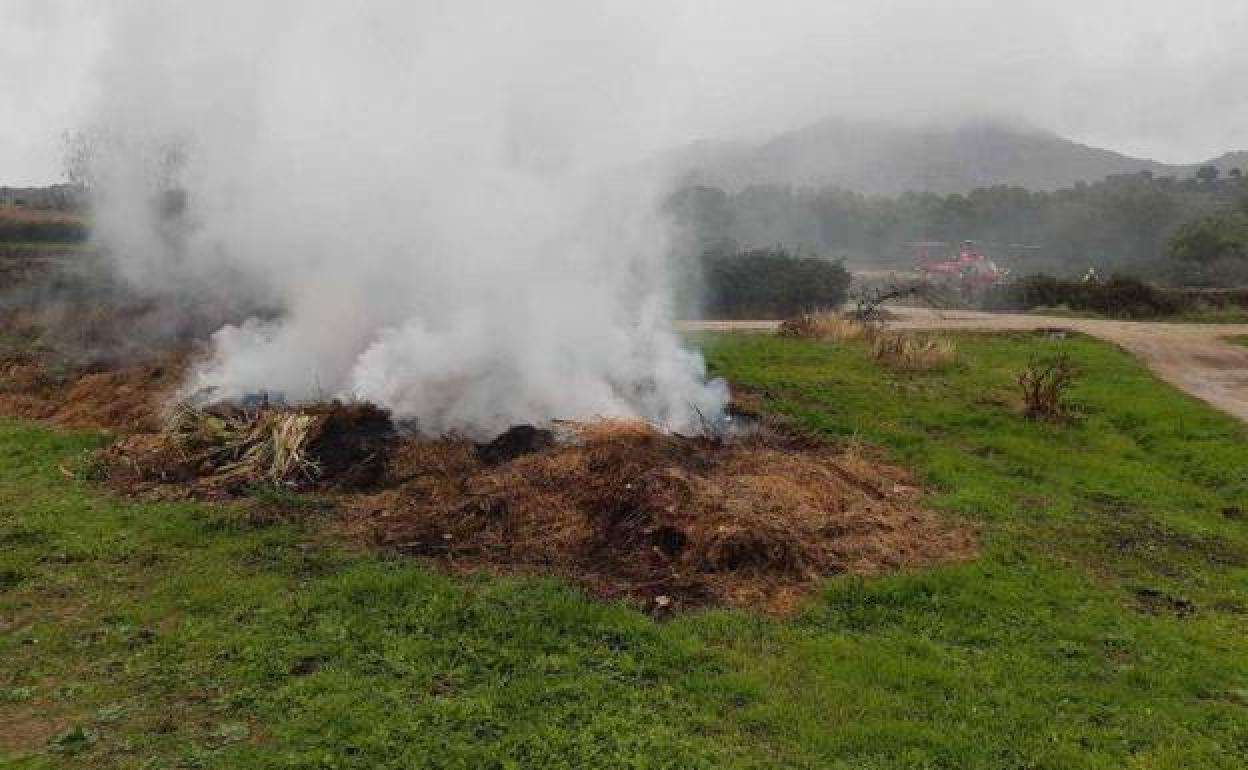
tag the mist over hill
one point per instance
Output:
(880, 195)
(888, 159)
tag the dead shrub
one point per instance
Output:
(1044, 384)
(829, 327)
(913, 351)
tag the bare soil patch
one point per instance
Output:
(28, 727)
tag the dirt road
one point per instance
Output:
(1195, 358)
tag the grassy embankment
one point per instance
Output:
(1105, 626)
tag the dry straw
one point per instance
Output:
(913, 351)
(830, 327)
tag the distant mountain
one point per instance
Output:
(888, 159)
(1230, 160)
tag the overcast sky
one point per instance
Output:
(1154, 78)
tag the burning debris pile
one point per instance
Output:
(635, 512)
(624, 508)
(621, 506)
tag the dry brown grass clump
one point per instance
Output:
(913, 351)
(831, 327)
(672, 520)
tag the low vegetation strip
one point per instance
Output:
(1119, 296)
(1104, 624)
(19, 224)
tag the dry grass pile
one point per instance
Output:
(830, 327)
(83, 363)
(913, 351)
(226, 451)
(625, 509)
(124, 399)
(672, 520)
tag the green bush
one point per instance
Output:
(1121, 296)
(770, 283)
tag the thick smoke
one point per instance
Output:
(418, 188)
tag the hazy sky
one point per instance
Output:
(1147, 77)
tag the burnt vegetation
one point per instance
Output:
(620, 506)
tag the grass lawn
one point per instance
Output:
(1105, 626)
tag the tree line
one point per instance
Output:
(766, 283)
(1212, 250)
(1137, 223)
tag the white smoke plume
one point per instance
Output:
(418, 187)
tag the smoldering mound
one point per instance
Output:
(620, 506)
(462, 250)
(623, 508)
(631, 511)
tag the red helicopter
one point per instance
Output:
(968, 272)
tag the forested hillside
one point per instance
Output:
(1121, 222)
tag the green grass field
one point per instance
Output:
(1105, 626)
